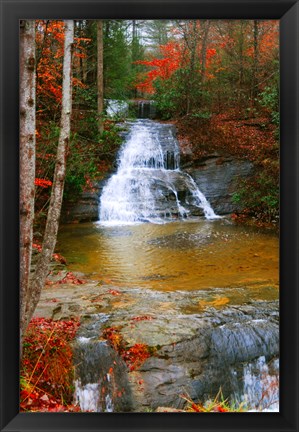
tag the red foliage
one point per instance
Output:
(163, 67)
(56, 256)
(173, 58)
(37, 246)
(42, 182)
(46, 366)
(50, 49)
(114, 292)
(133, 356)
(136, 355)
(59, 258)
(112, 334)
(142, 318)
(71, 278)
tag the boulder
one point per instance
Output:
(218, 178)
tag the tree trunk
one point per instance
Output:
(241, 63)
(193, 42)
(100, 75)
(206, 25)
(50, 235)
(254, 90)
(27, 159)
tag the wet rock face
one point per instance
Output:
(101, 383)
(192, 353)
(218, 178)
(200, 364)
(86, 209)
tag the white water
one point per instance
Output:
(116, 108)
(144, 186)
(89, 397)
(260, 386)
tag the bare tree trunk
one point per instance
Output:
(27, 158)
(206, 25)
(50, 235)
(100, 75)
(254, 90)
(193, 43)
(241, 63)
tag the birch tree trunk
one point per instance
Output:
(100, 75)
(27, 158)
(50, 235)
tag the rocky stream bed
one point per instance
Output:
(195, 347)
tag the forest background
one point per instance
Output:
(216, 80)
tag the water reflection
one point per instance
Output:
(175, 256)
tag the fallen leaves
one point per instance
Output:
(46, 366)
(218, 302)
(114, 292)
(142, 318)
(133, 356)
(70, 278)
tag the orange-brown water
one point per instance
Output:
(240, 262)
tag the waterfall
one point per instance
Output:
(257, 385)
(149, 185)
(116, 108)
(146, 109)
(101, 381)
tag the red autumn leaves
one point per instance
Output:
(46, 366)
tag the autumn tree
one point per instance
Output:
(31, 288)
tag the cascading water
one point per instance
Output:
(146, 109)
(149, 185)
(257, 385)
(101, 383)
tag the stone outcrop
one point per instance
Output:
(218, 178)
(86, 209)
(193, 352)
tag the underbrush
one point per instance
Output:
(46, 370)
(219, 404)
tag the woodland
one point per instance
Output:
(216, 81)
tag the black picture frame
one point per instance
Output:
(287, 11)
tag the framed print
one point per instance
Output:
(149, 209)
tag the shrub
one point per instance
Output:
(46, 365)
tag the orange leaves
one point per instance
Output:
(46, 365)
(114, 292)
(163, 67)
(42, 182)
(133, 356)
(50, 51)
(142, 318)
(112, 334)
(59, 258)
(71, 278)
(136, 355)
(37, 246)
(174, 56)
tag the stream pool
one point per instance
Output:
(241, 262)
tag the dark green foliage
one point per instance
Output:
(269, 99)
(179, 95)
(260, 195)
(117, 61)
